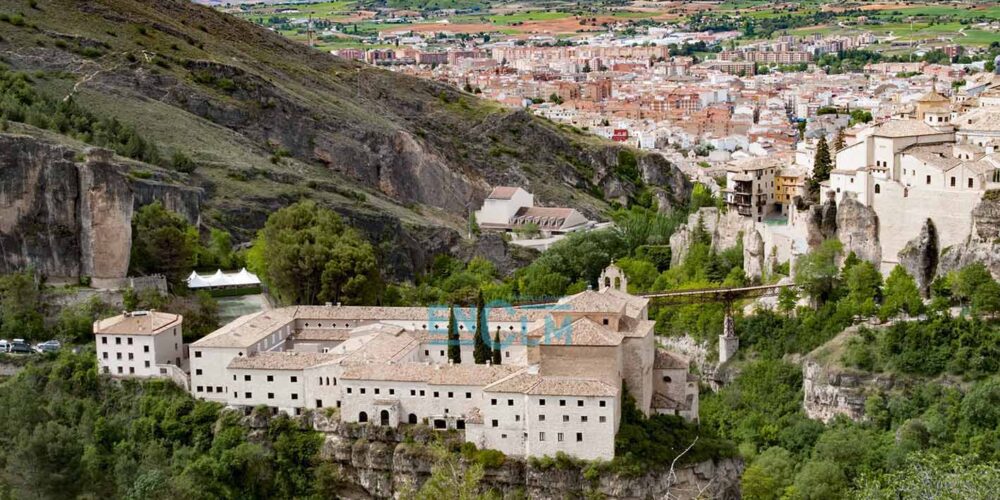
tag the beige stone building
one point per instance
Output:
(559, 387)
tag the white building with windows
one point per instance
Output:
(558, 387)
(141, 344)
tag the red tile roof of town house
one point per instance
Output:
(502, 193)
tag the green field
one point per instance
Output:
(520, 17)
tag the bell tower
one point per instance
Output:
(613, 277)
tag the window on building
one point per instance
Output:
(413, 392)
(493, 402)
(248, 395)
(605, 321)
(421, 393)
(270, 395)
(602, 419)
(362, 390)
(541, 436)
(541, 402)
(319, 403)
(131, 369)
(118, 355)
(579, 437)
(953, 181)
(130, 341)
(294, 378)
(218, 389)
(427, 352)
(583, 419)
(559, 437)
(562, 402)
(197, 371)
(451, 394)
(104, 355)
(517, 418)
(878, 189)
(104, 340)
(468, 395)
(496, 423)
(199, 389)
(392, 392)
(147, 363)
(541, 418)
(579, 402)
(295, 396)
(565, 418)
(197, 354)
(602, 404)
(118, 340)
(435, 393)
(510, 402)
(120, 370)
(376, 390)
(246, 378)
(970, 182)
(348, 390)
(928, 179)
(440, 353)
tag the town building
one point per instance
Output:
(751, 187)
(141, 344)
(513, 209)
(559, 386)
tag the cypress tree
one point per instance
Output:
(496, 349)
(822, 165)
(838, 142)
(481, 352)
(454, 342)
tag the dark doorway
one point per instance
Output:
(384, 418)
(362, 417)
(413, 418)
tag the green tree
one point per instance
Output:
(901, 295)
(822, 165)
(838, 142)
(21, 306)
(864, 288)
(481, 351)
(787, 298)
(820, 480)
(497, 349)
(451, 478)
(163, 242)
(306, 254)
(986, 299)
(816, 273)
(967, 280)
(454, 340)
(769, 475)
(930, 475)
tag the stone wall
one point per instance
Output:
(379, 462)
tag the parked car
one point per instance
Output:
(19, 346)
(48, 346)
(4, 345)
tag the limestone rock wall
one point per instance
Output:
(380, 463)
(857, 229)
(920, 256)
(829, 392)
(68, 214)
(983, 244)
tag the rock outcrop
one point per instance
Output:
(920, 256)
(68, 214)
(828, 392)
(983, 245)
(857, 229)
(376, 462)
(822, 222)
(724, 229)
(753, 254)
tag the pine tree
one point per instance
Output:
(821, 166)
(496, 349)
(838, 143)
(481, 352)
(454, 342)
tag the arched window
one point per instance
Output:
(362, 417)
(384, 418)
(878, 189)
(666, 379)
(412, 418)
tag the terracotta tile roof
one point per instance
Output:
(287, 360)
(247, 330)
(666, 360)
(470, 375)
(591, 301)
(581, 332)
(502, 193)
(323, 334)
(904, 128)
(137, 323)
(663, 402)
(634, 303)
(553, 386)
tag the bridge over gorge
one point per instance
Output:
(729, 343)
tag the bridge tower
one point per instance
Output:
(729, 343)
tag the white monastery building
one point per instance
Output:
(559, 385)
(141, 344)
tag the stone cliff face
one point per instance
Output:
(380, 462)
(828, 392)
(69, 216)
(920, 256)
(857, 229)
(724, 229)
(984, 243)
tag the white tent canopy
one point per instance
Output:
(222, 280)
